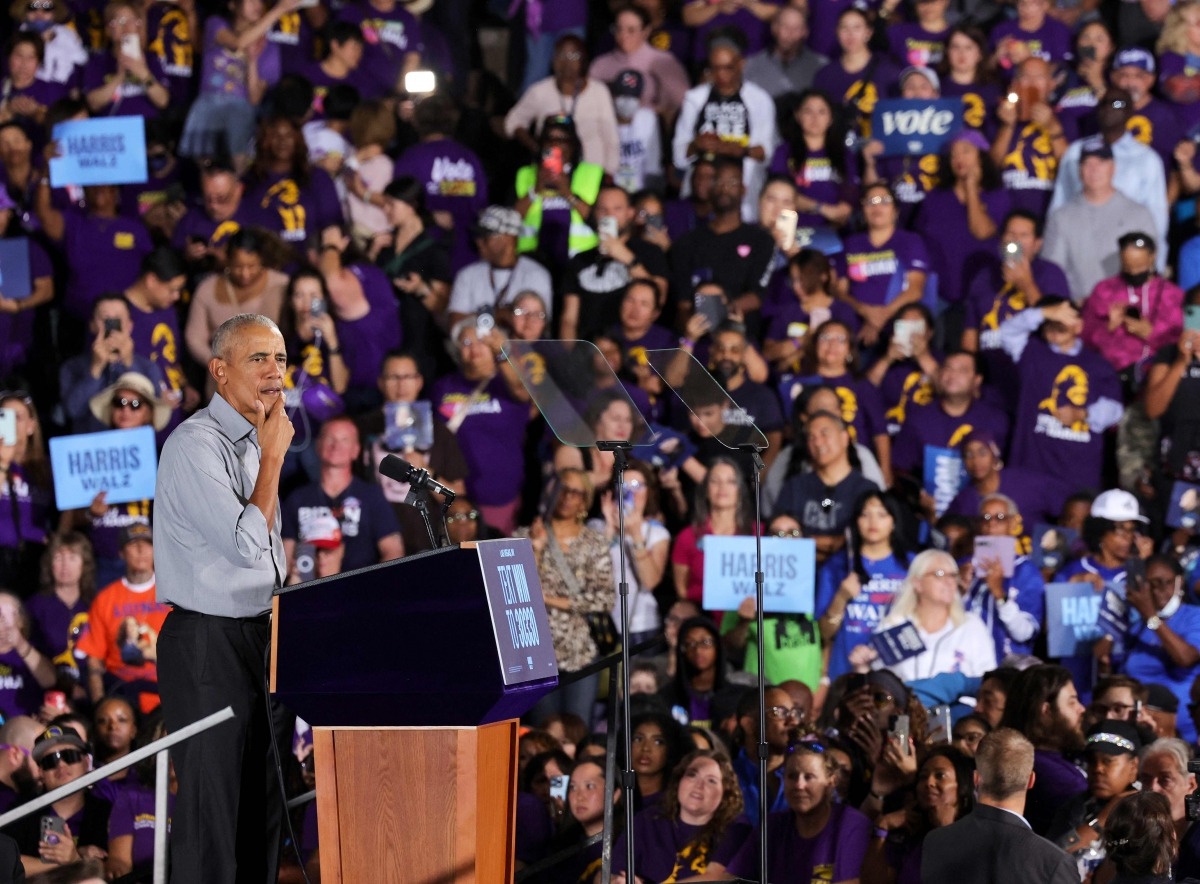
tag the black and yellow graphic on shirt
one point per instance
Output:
(974, 110)
(691, 860)
(864, 97)
(1070, 388)
(179, 59)
(1042, 163)
(849, 403)
(1141, 129)
(958, 435)
(916, 390)
(292, 216)
(1009, 301)
(224, 230)
(164, 352)
(822, 873)
(287, 30)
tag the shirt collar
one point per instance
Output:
(232, 423)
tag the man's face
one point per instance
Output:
(728, 352)
(995, 520)
(638, 308)
(957, 376)
(62, 772)
(1035, 73)
(612, 202)
(138, 556)
(789, 30)
(727, 189)
(1136, 260)
(111, 310)
(991, 701)
(1114, 110)
(253, 370)
(1133, 80)
(704, 176)
(1023, 232)
(568, 61)
(399, 381)
(1068, 710)
(338, 445)
(495, 248)
(222, 195)
(164, 293)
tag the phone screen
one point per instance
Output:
(1191, 317)
(8, 426)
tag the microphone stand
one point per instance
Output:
(755, 453)
(628, 778)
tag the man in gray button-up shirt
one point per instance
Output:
(218, 557)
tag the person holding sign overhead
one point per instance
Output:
(951, 638)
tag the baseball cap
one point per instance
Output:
(628, 83)
(498, 220)
(927, 73)
(1113, 737)
(135, 532)
(973, 138)
(890, 682)
(56, 737)
(1117, 505)
(1160, 698)
(1134, 58)
(1095, 147)
(323, 532)
(1138, 240)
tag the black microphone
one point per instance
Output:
(402, 471)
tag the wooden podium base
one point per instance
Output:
(433, 805)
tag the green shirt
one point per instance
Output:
(792, 651)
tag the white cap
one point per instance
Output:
(1117, 506)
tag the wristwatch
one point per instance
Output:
(1153, 623)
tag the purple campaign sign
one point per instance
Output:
(518, 612)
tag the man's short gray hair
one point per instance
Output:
(224, 335)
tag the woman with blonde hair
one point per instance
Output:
(954, 639)
(1180, 41)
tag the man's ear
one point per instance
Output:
(216, 368)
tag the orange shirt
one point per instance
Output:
(122, 630)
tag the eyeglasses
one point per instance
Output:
(939, 573)
(698, 643)
(402, 377)
(471, 516)
(119, 402)
(1118, 104)
(64, 756)
(533, 314)
(789, 532)
(572, 492)
(878, 201)
(833, 339)
(994, 517)
(784, 713)
(634, 485)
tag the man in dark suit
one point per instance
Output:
(994, 843)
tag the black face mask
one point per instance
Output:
(1137, 280)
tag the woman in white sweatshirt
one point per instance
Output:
(954, 640)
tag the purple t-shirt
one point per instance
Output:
(361, 510)
(367, 340)
(862, 405)
(103, 255)
(954, 252)
(755, 29)
(1057, 781)
(1174, 64)
(128, 100)
(294, 211)
(105, 532)
(455, 182)
(816, 178)
(294, 37)
(195, 224)
(666, 849)
(20, 694)
(1049, 380)
(843, 86)
(16, 329)
(979, 102)
(133, 814)
(911, 44)
(33, 508)
(1157, 126)
(789, 315)
(169, 37)
(491, 435)
(224, 72)
(389, 36)
(822, 24)
(156, 335)
(931, 425)
(1051, 42)
(904, 386)
(51, 622)
(870, 268)
(1038, 497)
(322, 82)
(835, 854)
(1029, 168)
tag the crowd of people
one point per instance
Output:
(988, 347)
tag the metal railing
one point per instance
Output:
(159, 748)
